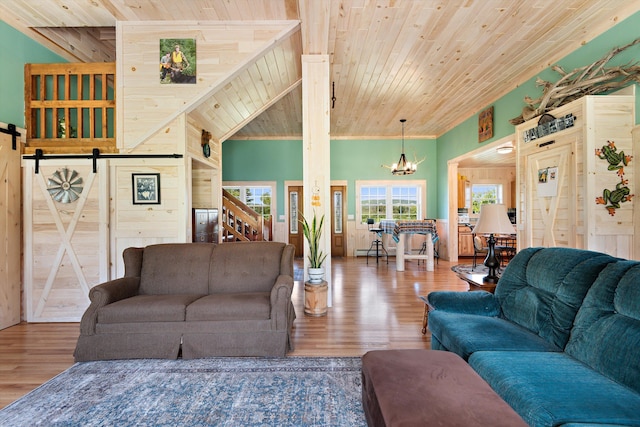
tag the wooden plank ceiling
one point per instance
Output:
(435, 63)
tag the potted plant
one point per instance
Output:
(312, 233)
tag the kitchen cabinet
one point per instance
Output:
(464, 192)
(465, 240)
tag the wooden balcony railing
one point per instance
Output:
(70, 108)
(239, 221)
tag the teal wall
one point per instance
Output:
(259, 160)
(464, 138)
(19, 50)
(351, 160)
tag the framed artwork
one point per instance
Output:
(145, 188)
(177, 61)
(485, 125)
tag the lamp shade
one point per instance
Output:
(493, 220)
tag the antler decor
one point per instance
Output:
(589, 80)
(617, 161)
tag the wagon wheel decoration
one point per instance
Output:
(65, 186)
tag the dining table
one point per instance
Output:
(400, 230)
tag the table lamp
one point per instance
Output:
(493, 220)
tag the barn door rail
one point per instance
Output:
(95, 155)
(11, 130)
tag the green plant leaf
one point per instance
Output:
(312, 233)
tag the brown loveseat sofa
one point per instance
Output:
(198, 299)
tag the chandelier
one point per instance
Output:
(403, 167)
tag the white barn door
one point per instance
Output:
(66, 237)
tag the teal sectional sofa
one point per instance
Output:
(559, 340)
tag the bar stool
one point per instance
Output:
(377, 243)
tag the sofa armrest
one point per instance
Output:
(103, 294)
(478, 302)
(281, 302)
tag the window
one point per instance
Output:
(485, 194)
(380, 201)
(373, 203)
(257, 198)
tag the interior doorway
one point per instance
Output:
(484, 157)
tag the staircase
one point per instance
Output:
(240, 223)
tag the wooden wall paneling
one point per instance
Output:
(141, 225)
(573, 218)
(635, 134)
(10, 227)
(66, 244)
(611, 119)
(224, 50)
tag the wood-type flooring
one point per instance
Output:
(374, 307)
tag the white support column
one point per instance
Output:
(316, 164)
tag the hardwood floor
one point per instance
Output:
(374, 307)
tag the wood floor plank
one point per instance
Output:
(374, 307)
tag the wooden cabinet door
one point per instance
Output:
(465, 242)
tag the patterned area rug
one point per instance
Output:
(291, 391)
(467, 268)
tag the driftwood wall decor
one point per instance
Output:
(592, 79)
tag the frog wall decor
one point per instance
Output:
(617, 161)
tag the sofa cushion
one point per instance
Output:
(176, 268)
(542, 289)
(465, 334)
(147, 308)
(606, 335)
(549, 389)
(245, 267)
(239, 306)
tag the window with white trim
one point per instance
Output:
(257, 197)
(380, 200)
(482, 194)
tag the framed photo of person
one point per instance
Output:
(177, 61)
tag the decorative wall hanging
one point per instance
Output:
(204, 141)
(588, 80)
(485, 124)
(548, 182)
(177, 61)
(617, 161)
(146, 188)
(65, 186)
(548, 125)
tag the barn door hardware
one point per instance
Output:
(94, 156)
(11, 130)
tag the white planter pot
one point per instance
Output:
(316, 275)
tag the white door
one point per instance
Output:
(66, 237)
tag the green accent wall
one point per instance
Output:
(351, 160)
(19, 50)
(464, 137)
